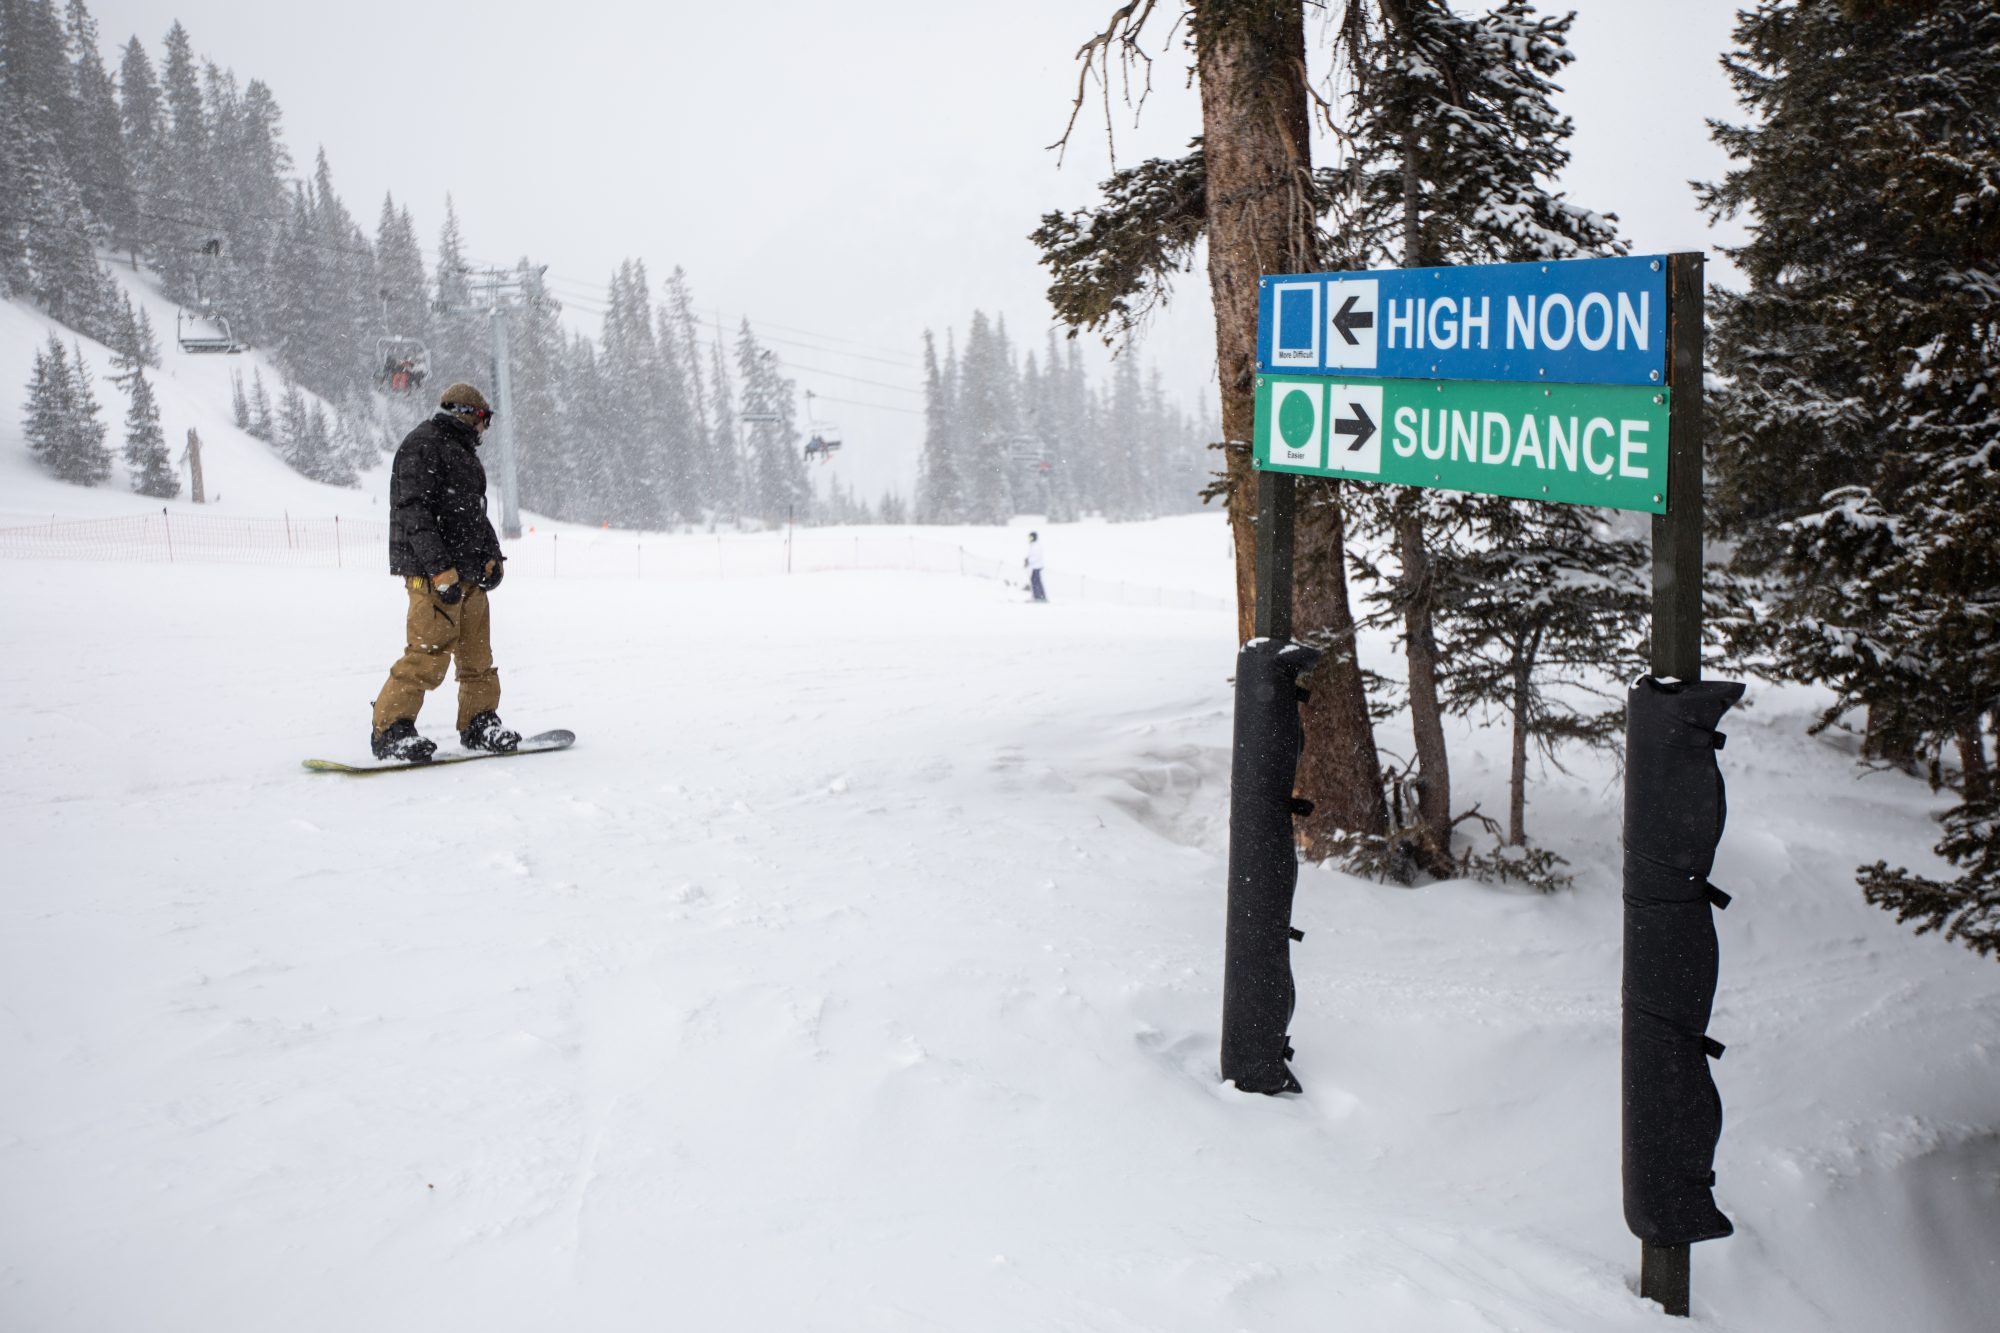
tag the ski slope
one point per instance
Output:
(861, 968)
(242, 475)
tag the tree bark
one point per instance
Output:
(1339, 771)
(1977, 779)
(1262, 219)
(1426, 715)
(1250, 56)
(1517, 775)
(1419, 634)
(1888, 739)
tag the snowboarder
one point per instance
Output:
(444, 548)
(1034, 567)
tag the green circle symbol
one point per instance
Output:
(1297, 421)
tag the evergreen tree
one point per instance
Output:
(132, 342)
(777, 478)
(239, 401)
(14, 274)
(51, 397)
(399, 275)
(180, 199)
(146, 455)
(1548, 598)
(105, 171)
(262, 423)
(1454, 143)
(985, 424)
(940, 489)
(1865, 354)
(731, 482)
(63, 427)
(544, 451)
(142, 121)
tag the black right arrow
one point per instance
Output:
(1347, 319)
(1362, 430)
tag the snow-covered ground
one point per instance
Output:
(860, 968)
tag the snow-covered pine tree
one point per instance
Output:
(680, 342)
(778, 484)
(1543, 600)
(399, 275)
(633, 411)
(1452, 146)
(252, 167)
(14, 273)
(131, 342)
(291, 438)
(940, 488)
(985, 423)
(460, 342)
(180, 198)
(262, 424)
(86, 430)
(730, 482)
(545, 457)
(587, 473)
(1860, 417)
(63, 425)
(106, 172)
(239, 401)
(151, 466)
(45, 416)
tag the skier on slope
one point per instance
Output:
(444, 548)
(1033, 562)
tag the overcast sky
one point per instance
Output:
(845, 175)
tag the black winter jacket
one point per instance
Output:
(437, 502)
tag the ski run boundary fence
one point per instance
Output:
(359, 545)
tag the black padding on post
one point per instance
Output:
(1257, 993)
(1674, 813)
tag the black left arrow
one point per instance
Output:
(1347, 319)
(1362, 430)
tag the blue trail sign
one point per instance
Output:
(1573, 321)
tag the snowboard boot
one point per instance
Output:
(399, 740)
(484, 732)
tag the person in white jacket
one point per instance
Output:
(1034, 566)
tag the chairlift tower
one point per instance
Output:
(497, 294)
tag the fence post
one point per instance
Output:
(555, 550)
(288, 529)
(170, 533)
(336, 542)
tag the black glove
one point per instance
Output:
(448, 592)
(495, 571)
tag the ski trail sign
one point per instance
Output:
(1587, 444)
(1573, 321)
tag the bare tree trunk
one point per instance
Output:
(1339, 770)
(1262, 219)
(1250, 56)
(1886, 738)
(1419, 634)
(1426, 714)
(1978, 779)
(1517, 776)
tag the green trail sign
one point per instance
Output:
(1585, 444)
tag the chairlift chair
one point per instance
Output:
(204, 333)
(402, 364)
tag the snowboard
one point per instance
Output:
(540, 744)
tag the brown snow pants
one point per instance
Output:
(437, 633)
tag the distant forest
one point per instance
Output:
(175, 165)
